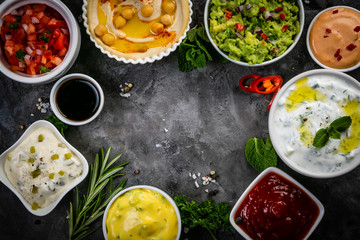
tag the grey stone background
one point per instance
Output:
(208, 119)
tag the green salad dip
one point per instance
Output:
(254, 31)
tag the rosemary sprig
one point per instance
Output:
(93, 205)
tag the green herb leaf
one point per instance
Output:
(333, 133)
(84, 212)
(321, 138)
(342, 123)
(202, 34)
(206, 214)
(44, 69)
(48, 31)
(57, 123)
(191, 35)
(13, 26)
(260, 155)
(20, 54)
(44, 38)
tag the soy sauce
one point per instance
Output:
(77, 99)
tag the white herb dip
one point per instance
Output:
(41, 168)
(305, 107)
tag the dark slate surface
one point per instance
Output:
(208, 119)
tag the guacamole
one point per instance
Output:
(254, 31)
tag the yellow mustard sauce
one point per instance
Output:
(136, 28)
(141, 214)
(350, 143)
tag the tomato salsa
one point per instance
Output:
(34, 39)
(276, 209)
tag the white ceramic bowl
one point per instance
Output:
(206, 23)
(146, 187)
(139, 60)
(290, 179)
(309, 48)
(280, 146)
(5, 180)
(69, 77)
(70, 57)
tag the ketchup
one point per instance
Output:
(276, 209)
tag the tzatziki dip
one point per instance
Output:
(42, 167)
(309, 104)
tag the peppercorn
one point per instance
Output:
(137, 171)
(238, 220)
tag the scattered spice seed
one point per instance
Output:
(21, 127)
(350, 47)
(137, 171)
(238, 220)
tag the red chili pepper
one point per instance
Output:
(239, 27)
(248, 88)
(285, 27)
(264, 36)
(282, 16)
(262, 9)
(228, 14)
(278, 9)
(266, 85)
(269, 106)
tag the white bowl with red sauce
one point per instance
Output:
(342, 36)
(279, 206)
(56, 71)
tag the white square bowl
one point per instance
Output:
(288, 178)
(3, 178)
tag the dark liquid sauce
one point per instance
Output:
(77, 99)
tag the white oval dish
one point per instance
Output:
(69, 77)
(309, 48)
(3, 178)
(289, 178)
(139, 60)
(70, 57)
(281, 146)
(297, 38)
(146, 187)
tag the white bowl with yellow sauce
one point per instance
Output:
(306, 103)
(136, 31)
(41, 167)
(333, 38)
(142, 212)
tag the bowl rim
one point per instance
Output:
(151, 59)
(172, 202)
(287, 177)
(288, 84)
(70, 57)
(69, 77)
(297, 38)
(308, 42)
(7, 183)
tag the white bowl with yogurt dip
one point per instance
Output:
(41, 170)
(308, 102)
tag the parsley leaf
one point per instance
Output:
(334, 131)
(206, 214)
(13, 26)
(48, 31)
(57, 123)
(195, 50)
(44, 69)
(44, 38)
(260, 155)
(20, 54)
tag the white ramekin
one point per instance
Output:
(69, 77)
(3, 178)
(146, 187)
(70, 57)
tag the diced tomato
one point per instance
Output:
(43, 59)
(282, 16)
(40, 15)
(44, 20)
(285, 27)
(17, 68)
(37, 59)
(39, 26)
(239, 27)
(47, 54)
(279, 9)
(19, 34)
(17, 47)
(31, 70)
(56, 60)
(27, 61)
(59, 43)
(39, 7)
(13, 60)
(9, 47)
(62, 52)
(9, 18)
(262, 9)
(53, 24)
(49, 65)
(31, 37)
(264, 36)
(26, 19)
(31, 29)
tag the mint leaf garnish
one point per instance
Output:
(260, 155)
(334, 131)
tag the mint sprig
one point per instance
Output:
(323, 135)
(260, 155)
